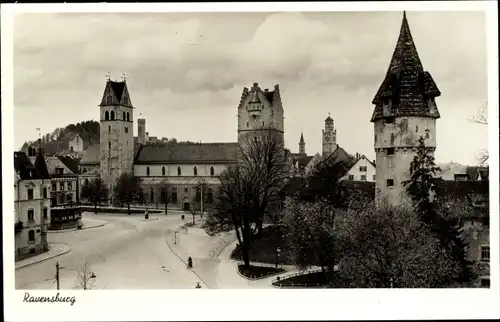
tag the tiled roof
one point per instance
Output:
(305, 160)
(52, 163)
(406, 83)
(41, 165)
(119, 93)
(269, 95)
(24, 168)
(70, 162)
(187, 153)
(339, 157)
(92, 155)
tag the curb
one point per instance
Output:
(47, 258)
(185, 263)
(75, 229)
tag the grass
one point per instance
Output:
(264, 249)
(254, 272)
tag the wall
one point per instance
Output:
(155, 170)
(76, 143)
(68, 187)
(356, 173)
(478, 235)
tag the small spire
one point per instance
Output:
(302, 137)
(404, 14)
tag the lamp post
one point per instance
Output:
(175, 237)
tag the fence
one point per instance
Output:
(277, 281)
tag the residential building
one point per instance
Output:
(362, 170)
(32, 205)
(405, 110)
(75, 144)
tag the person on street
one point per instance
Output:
(190, 262)
(198, 285)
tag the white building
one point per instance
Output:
(362, 170)
(76, 144)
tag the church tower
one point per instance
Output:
(260, 111)
(117, 140)
(405, 110)
(329, 137)
(302, 144)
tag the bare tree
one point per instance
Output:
(481, 118)
(85, 278)
(165, 193)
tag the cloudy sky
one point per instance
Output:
(186, 71)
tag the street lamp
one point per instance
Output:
(175, 237)
(278, 250)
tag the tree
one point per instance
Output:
(482, 119)
(421, 188)
(85, 278)
(95, 191)
(249, 188)
(165, 193)
(126, 189)
(390, 248)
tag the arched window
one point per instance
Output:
(128, 116)
(45, 213)
(86, 181)
(174, 195)
(140, 194)
(109, 128)
(195, 171)
(212, 171)
(147, 171)
(112, 115)
(124, 116)
(106, 116)
(162, 171)
(179, 171)
(31, 235)
(152, 194)
(109, 145)
(210, 196)
(163, 195)
(392, 138)
(31, 214)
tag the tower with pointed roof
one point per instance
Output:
(260, 111)
(302, 144)
(329, 137)
(117, 141)
(405, 110)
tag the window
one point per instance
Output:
(31, 214)
(69, 198)
(390, 162)
(178, 171)
(106, 116)
(54, 187)
(195, 171)
(485, 282)
(416, 128)
(61, 199)
(210, 196)
(112, 115)
(147, 171)
(390, 182)
(61, 185)
(427, 135)
(124, 116)
(86, 181)
(390, 151)
(162, 171)
(392, 138)
(363, 177)
(186, 190)
(70, 186)
(109, 145)
(485, 254)
(109, 128)
(362, 168)
(198, 195)
(375, 137)
(45, 193)
(262, 123)
(30, 194)
(126, 129)
(128, 116)
(351, 177)
(31, 236)
(373, 177)
(247, 124)
(59, 170)
(174, 195)
(45, 213)
(212, 172)
(163, 194)
(151, 194)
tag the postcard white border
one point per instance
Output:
(265, 304)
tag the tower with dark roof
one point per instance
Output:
(302, 144)
(405, 110)
(260, 111)
(329, 137)
(117, 141)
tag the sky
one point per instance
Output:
(186, 72)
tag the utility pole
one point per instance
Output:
(201, 204)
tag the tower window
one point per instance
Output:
(262, 123)
(163, 171)
(179, 171)
(106, 115)
(112, 115)
(147, 171)
(212, 172)
(247, 124)
(128, 116)
(390, 151)
(31, 214)
(390, 182)
(126, 129)
(109, 128)
(45, 213)
(124, 116)
(427, 135)
(109, 145)
(416, 128)
(392, 138)
(195, 171)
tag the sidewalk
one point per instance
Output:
(54, 251)
(87, 224)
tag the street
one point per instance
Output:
(126, 253)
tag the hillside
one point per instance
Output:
(57, 141)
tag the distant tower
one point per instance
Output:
(329, 137)
(117, 141)
(302, 144)
(405, 110)
(260, 111)
(141, 131)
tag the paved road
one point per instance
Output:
(126, 253)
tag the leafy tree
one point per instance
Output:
(95, 191)
(126, 189)
(421, 188)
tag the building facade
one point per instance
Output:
(75, 144)
(362, 170)
(32, 205)
(405, 110)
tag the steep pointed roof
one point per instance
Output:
(41, 165)
(116, 93)
(406, 83)
(302, 138)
